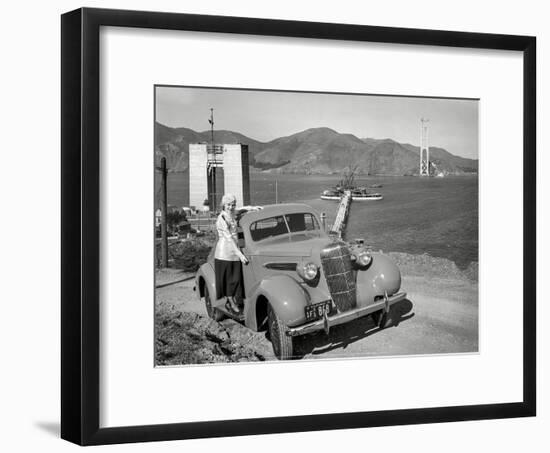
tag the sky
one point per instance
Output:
(266, 115)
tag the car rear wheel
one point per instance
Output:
(281, 342)
(381, 319)
(216, 315)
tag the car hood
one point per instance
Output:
(294, 248)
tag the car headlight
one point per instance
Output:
(308, 271)
(363, 258)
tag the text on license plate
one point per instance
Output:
(317, 311)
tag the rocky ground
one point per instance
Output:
(190, 338)
(439, 315)
(186, 335)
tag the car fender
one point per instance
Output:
(206, 273)
(284, 294)
(382, 276)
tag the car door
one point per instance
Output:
(248, 274)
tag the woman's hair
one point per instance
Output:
(228, 198)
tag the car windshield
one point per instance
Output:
(284, 225)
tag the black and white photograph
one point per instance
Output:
(243, 226)
(312, 225)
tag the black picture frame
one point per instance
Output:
(80, 263)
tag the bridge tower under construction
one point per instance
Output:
(424, 148)
(209, 163)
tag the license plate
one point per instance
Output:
(317, 311)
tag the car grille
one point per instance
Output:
(337, 267)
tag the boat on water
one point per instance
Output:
(367, 197)
(359, 194)
(332, 195)
(348, 183)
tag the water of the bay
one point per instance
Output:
(437, 216)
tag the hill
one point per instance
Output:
(173, 143)
(313, 151)
(321, 150)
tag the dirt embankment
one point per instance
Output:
(190, 338)
(426, 266)
(440, 315)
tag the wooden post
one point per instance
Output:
(164, 212)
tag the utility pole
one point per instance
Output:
(211, 121)
(164, 211)
(212, 170)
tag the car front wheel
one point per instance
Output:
(281, 342)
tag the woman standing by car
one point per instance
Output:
(228, 257)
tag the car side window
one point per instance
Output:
(311, 222)
(302, 222)
(273, 226)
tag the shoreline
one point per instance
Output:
(412, 264)
(255, 170)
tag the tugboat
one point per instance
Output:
(332, 195)
(357, 193)
(361, 194)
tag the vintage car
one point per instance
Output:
(301, 280)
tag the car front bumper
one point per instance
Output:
(341, 318)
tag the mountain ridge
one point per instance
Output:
(320, 150)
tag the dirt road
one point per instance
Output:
(440, 315)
